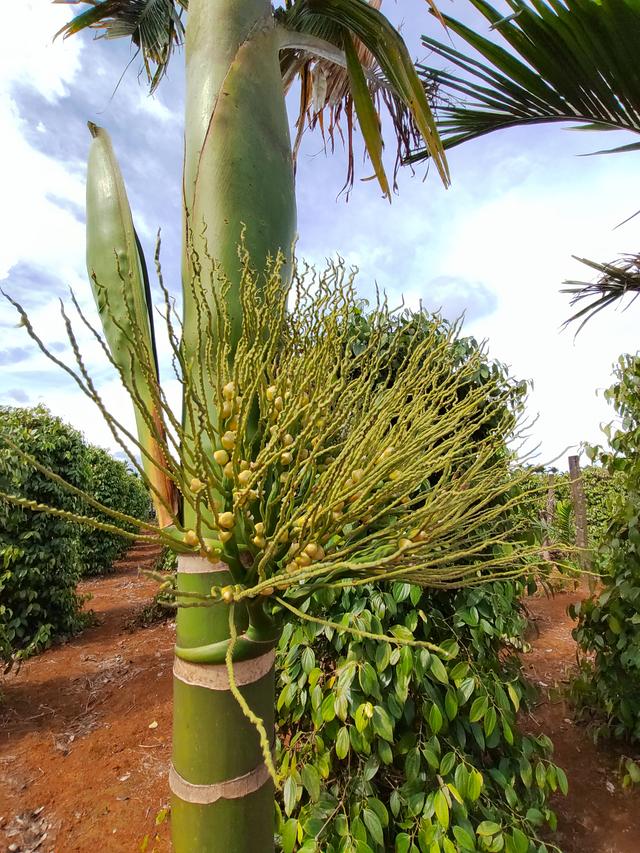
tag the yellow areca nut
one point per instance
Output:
(271, 393)
(278, 404)
(221, 457)
(233, 423)
(229, 391)
(227, 409)
(404, 543)
(288, 440)
(357, 475)
(226, 520)
(228, 470)
(228, 440)
(244, 478)
(286, 458)
(190, 537)
(225, 535)
(196, 485)
(227, 594)
(316, 552)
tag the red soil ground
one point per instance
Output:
(85, 735)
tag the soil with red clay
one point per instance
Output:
(598, 815)
(85, 730)
(85, 734)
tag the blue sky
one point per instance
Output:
(496, 245)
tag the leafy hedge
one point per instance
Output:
(43, 556)
(115, 486)
(390, 748)
(41, 561)
(608, 631)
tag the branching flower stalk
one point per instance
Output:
(320, 467)
(320, 471)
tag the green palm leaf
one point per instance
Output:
(154, 27)
(575, 60)
(617, 279)
(385, 64)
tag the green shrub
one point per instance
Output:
(608, 631)
(40, 553)
(386, 748)
(117, 487)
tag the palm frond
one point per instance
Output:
(617, 279)
(154, 26)
(564, 60)
(372, 51)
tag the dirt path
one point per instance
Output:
(79, 762)
(85, 736)
(598, 815)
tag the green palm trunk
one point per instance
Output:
(238, 175)
(222, 796)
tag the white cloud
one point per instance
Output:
(34, 228)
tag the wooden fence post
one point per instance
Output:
(548, 514)
(579, 511)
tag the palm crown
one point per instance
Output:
(349, 58)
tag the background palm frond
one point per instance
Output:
(332, 96)
(564, 60)
(617, 279)
(154, 26)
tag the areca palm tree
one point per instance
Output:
(570, 61)
(242, 56)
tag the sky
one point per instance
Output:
(495, 246)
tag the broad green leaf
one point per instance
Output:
(342, 742)
(474, 785)
(441, 807)
(488, 828)
(450, 704)
(490, 719)
(403, 843)
(438, 670)
(372, 822)
(382, 724)
(478, 709)
(563, 784)
(465, 841)
(289, 835)
(290, 795)
(435, 718)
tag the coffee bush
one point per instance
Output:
(41, 554)
(388, 747)
(117, 487)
